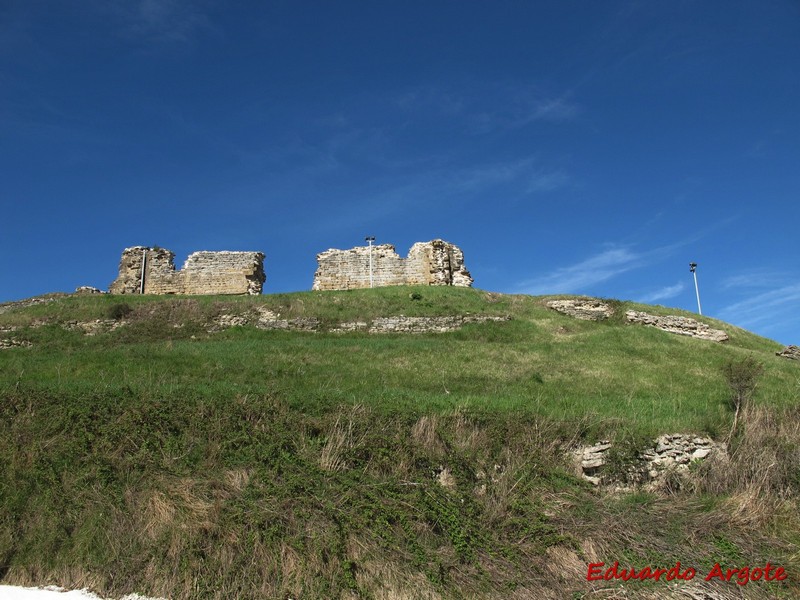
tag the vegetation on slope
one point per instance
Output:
(269, 464)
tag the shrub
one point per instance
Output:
(742, 379)
(119, 311)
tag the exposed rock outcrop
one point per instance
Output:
(678, 325)
(587, 309)
(202, 273)
(88, 289)
(669, 454)
(6, 344)
(429, 263)
(15, 304)
(403, 324)
(263, 318)
(790, 351)
(92, 327)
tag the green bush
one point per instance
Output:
(119, 311)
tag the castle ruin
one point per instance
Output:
(428, 263)
(145, 270)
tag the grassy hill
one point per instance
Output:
(172, 456)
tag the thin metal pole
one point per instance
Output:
(693, 269)
(697, 292)
(370, 239)
(144, 261)
(371, 284)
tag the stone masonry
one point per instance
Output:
(670, 452)
(429, 263)
(792, 352)
(202, 273)
(586, 309)
(679, 325)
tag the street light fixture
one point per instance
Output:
(693, 269)
(370, 239)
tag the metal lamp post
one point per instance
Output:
(693, 269)
(369, 239)
(144, 262)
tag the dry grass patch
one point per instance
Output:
(342, 438)
(425, 434)
(764, 458)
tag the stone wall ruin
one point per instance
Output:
(202, 273)
(791, 351)
(428, 263)
(585, 309)
(670, 453)
(678, 325)
(592, 309)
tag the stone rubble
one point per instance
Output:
(7, 306)
(296, 324)
(791, 351)
(670, 453)
(351, 326)
(88, 289)
(428, 263)
(93, 327)
(592, 459)
(403, 324)
(6, 344)
(228, 321)
(678, 325)
(264, 318)
(444, 476)
(202, 273)
(586, 309)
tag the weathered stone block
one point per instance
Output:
(88, 289)
(587, 309)
(670, 452)
(679, 325)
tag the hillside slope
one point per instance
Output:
(219, 447)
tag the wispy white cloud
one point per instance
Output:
(489, 107)
(161, 20)
(395, 193)
(521, 113)
(773, 305)
(669, 291)
(578, 277)
(431, 97)
(531, 177)
(606, 264)
(546, 181)
(552, 109)
(755, 280)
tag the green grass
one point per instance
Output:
(268, 464)
(539, 362)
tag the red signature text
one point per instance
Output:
(742, 575)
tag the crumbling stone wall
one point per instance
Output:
(669, 453)
(679, 325)
(202, 273)
(790, 351)
(429, 263)
(586, 309)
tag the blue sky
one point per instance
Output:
(568, 147)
